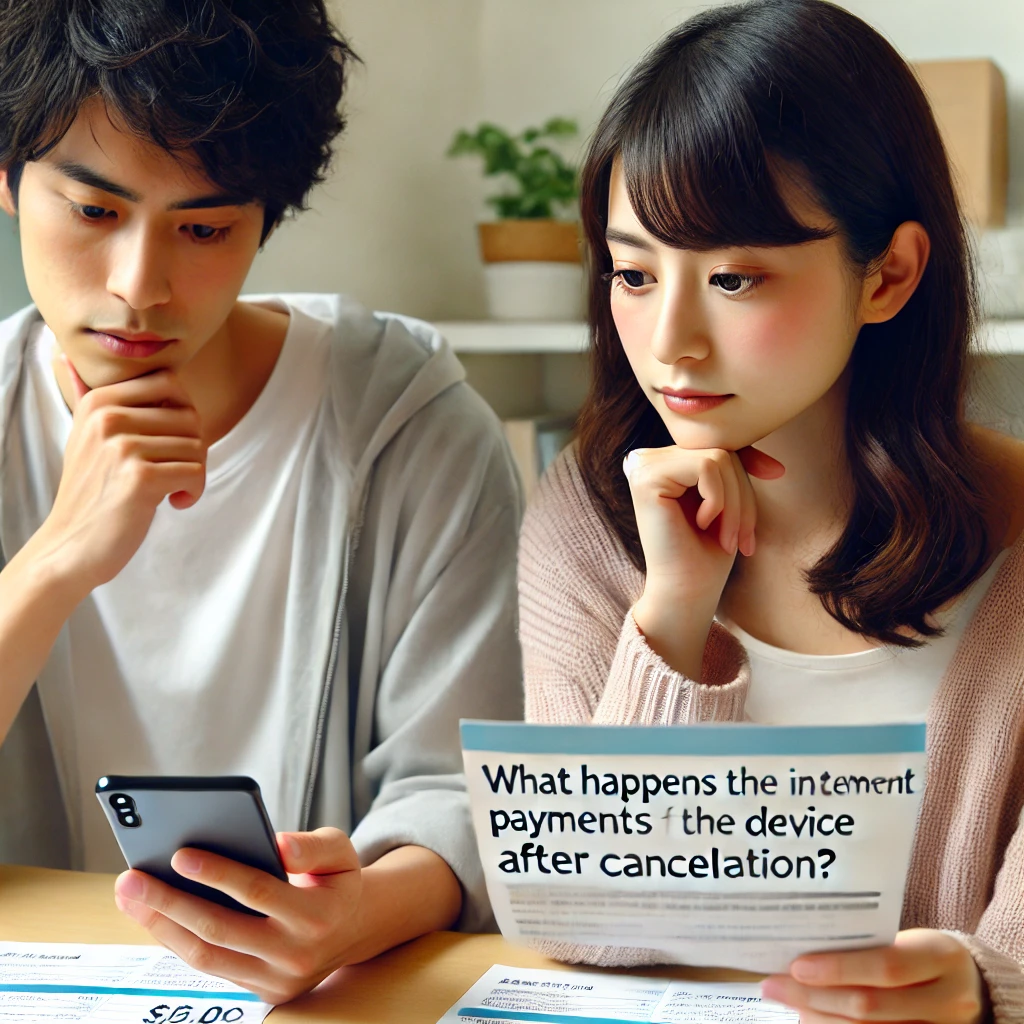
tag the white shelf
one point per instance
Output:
(511, 337)
(515, 336)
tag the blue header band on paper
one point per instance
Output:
(486, 1013)
(155, 993)
(727, 740)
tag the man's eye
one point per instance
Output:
(203, 231)
(94, 212)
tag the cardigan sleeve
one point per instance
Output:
(584, 658)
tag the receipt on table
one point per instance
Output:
(115, 985)
(510, 995)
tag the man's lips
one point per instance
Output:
(128, 344)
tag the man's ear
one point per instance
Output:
(888, 288)
(7, 203)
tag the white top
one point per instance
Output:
(886, 684)
(172, 628)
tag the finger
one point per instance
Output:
(748, 508)
(711, 487)
(933, 1001)
(326, 851)
(917, 956)
(81, 388)
(729, 520)
(162, 387)
(661, 471)
(758, 464)
(157, 449)
(183, 481)
(143, 897)
(242, 969)
(182, 421)
(256, 889)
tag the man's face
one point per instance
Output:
(132, 256)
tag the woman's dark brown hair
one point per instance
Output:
(702, 126)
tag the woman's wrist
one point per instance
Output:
(675, 628)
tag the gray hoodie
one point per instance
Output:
(409, 513)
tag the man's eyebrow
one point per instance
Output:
(211, 202)
(625, 238)
(86, 176)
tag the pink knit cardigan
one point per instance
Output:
(586, 661)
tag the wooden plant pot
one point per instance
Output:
(532, 270)
(547, 241)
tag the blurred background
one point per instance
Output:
(395, 226)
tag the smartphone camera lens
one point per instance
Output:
(127, 812)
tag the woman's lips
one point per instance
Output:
(689, 402)
(138, 346)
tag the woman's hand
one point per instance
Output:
(925, 976)
(694, 510)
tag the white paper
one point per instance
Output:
(509, 995)
(713, 845)
(106, 984)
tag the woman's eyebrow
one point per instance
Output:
(625, 238)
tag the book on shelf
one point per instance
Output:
(535, 442)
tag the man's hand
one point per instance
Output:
(330, 913)
(131, 445)
(925, 976)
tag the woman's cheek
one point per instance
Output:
(634, 327)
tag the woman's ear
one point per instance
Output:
(888, 288)
(7, 203)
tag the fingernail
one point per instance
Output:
(805, 970)
(628, 463)
(187, 863)
(774, 989)
(131, 887)
(294, 846)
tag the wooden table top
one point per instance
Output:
(412, 984)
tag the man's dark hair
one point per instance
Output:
(251, 87)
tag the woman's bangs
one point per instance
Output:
(699, 176)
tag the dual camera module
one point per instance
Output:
(127, 812)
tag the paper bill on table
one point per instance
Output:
(108, 984)
(510, 995)
(716, 845)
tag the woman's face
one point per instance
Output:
(730, 345)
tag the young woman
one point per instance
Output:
(775, 510)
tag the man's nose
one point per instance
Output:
(139, 274)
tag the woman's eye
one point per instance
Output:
(630, 280)
(94, 212)
(735, 284)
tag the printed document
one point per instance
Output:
(716, 845)
(115, 985)
(508, 995)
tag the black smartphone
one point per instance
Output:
(154, 815)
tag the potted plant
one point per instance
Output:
(532, 252)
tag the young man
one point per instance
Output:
(329, 583)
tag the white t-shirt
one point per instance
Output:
(887, 684)
(158, 654)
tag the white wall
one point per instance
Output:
(13, 293)
(390, 227)
(570, 54)
(395, 226)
